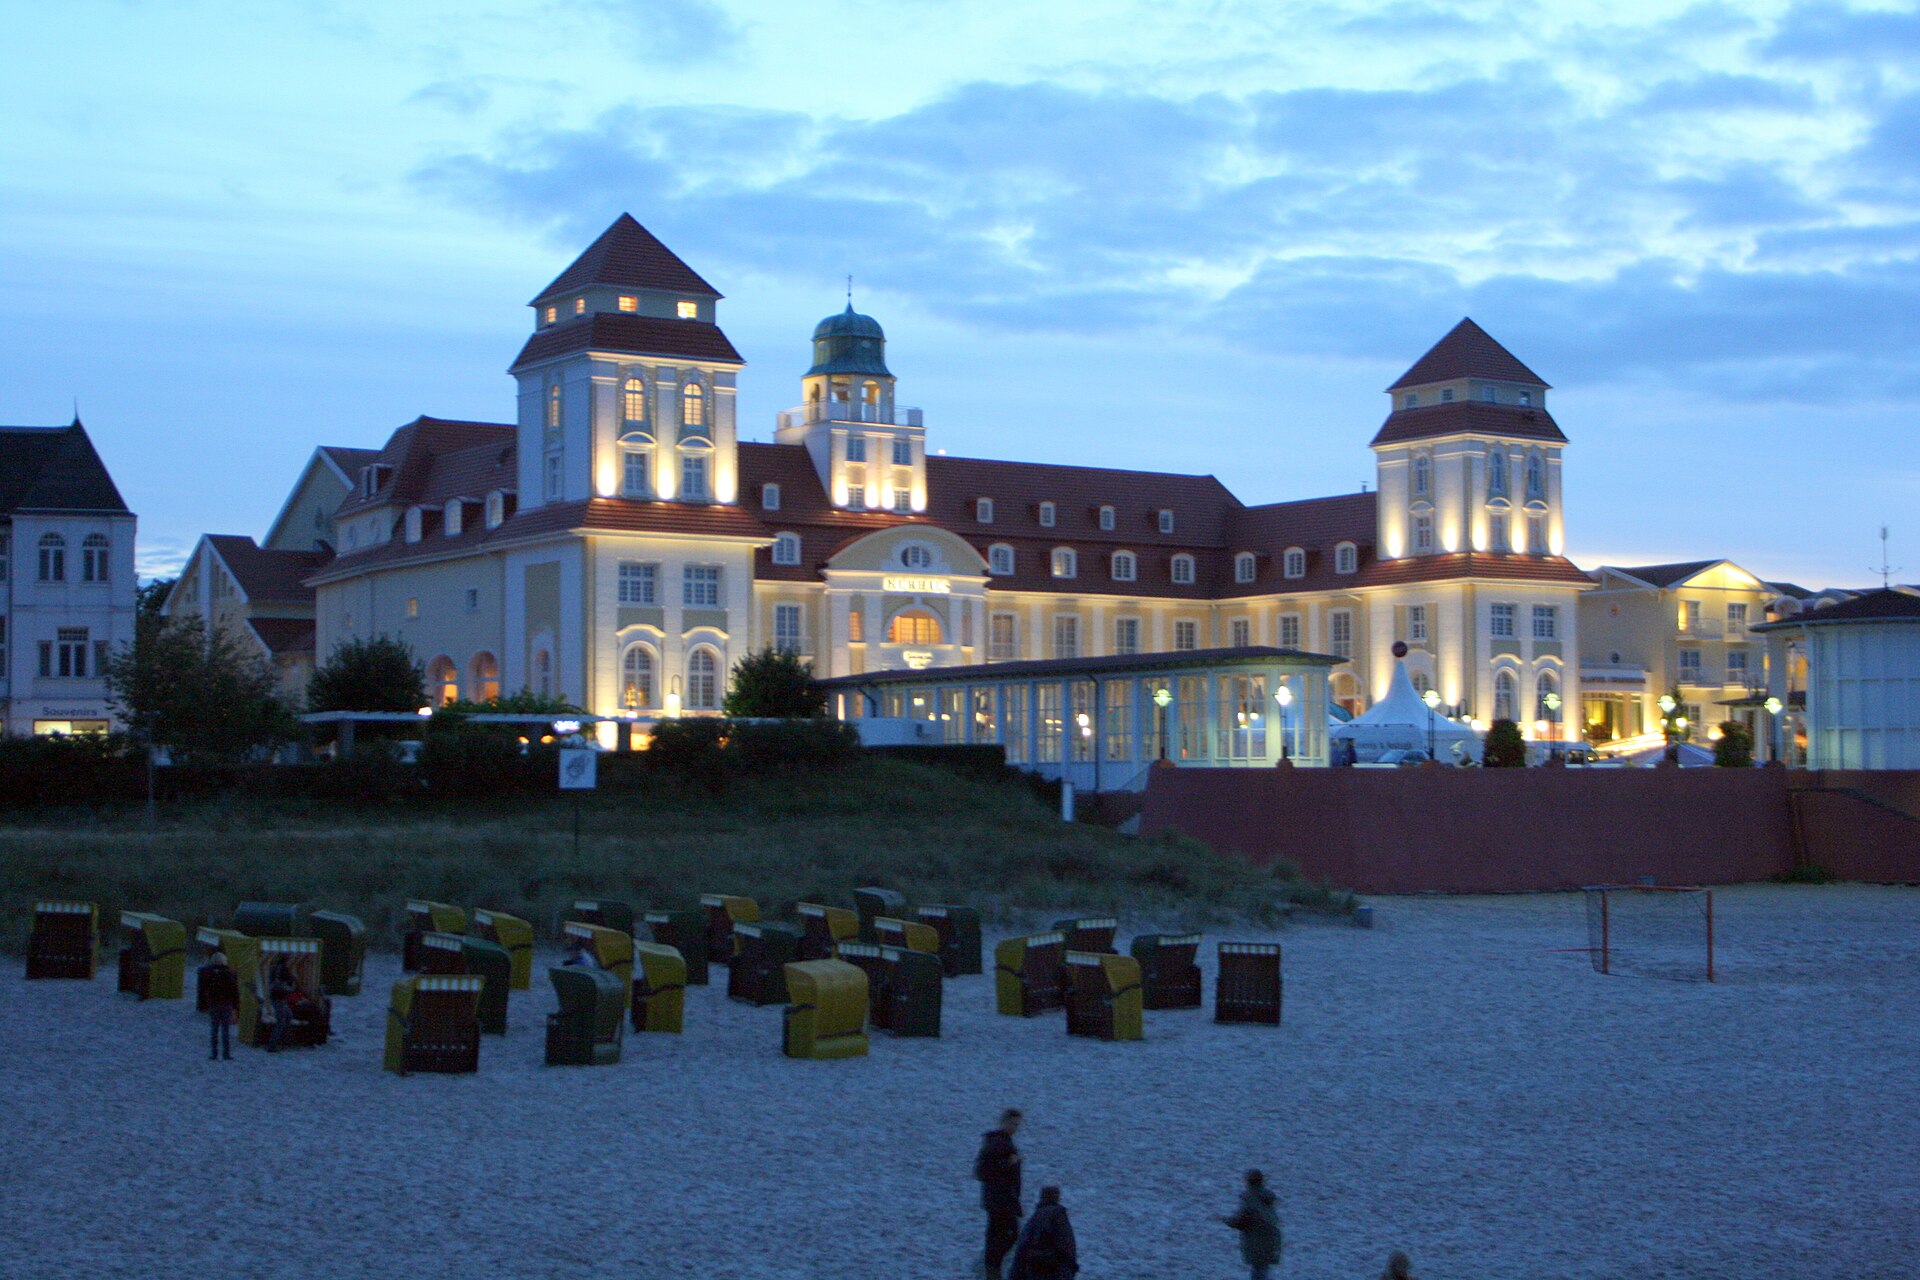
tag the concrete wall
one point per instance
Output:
(1859, 824)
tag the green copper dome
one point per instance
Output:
(849, 343)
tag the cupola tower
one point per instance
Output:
(870, 452)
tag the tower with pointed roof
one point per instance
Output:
(627, 384)
(870, 453)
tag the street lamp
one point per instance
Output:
(1432, 698)
(1671, 726)
(1161, 698)
(1284, 696)
(1774, 706)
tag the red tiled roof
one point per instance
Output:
(350, 460)
(1467, 351)
(1468, 417)
(1473, 564)
(1200, 504)
(284, 636)
(268, 577)
(1315, 525)
(628, 254)
(620, 332)
(413, 450)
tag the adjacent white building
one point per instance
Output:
(1862, 680)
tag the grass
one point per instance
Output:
(933, 835)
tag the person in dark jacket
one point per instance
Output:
(997, 1168)
(220, 991)
(280, 989)
(1258, 1223)
(1046, 1249)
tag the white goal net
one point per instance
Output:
(1655, 931)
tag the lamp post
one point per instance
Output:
(1284, 696)
(1432, 698)
(1671, 726)
(1774, 706)
(1161, 698)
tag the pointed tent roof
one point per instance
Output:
(1401, 719)
(627, 254)
(1467, 351)
(54, 469)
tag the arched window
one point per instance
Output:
(1125, 568)
(1346, 558)
(1547, 695)
(870, 395)
(636, 678)
(1536, 478)
(634, 400)
(1000, 560)
(1243, 567)
(1504, 696)
(913, 626)
(786, 549)
(1183, 569)
(703, 680)
(484, 677)
(1065, 563)
(1420, 683)
(553, 407)
(1046, 515)
(53, 558)
(636, 465)
(543, 673)
(1106, 518)
(1422, 474)
(1294, 563)
(693, 405)
(1496, 472)
(915, 556)
(443, 681)
(93, 558)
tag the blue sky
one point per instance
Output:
(1196, 237)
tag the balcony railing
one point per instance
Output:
(1702, 628)
(849, 411)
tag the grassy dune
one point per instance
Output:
(933, 835)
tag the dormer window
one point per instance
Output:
(1243, 567)
(1000, 560)
(1065, 563)
(579, 306)
(1410, 401)
(983, 510)
(687, 309)
(1182, 570)
(1491, 395)
(628, 302)
(1526, 397)
(1046, 515)
(496, 510)
(1106, 517)
(1446, 395)
(770, 497)
(413, 524)
(1294, 563)
(450, 523)
(1166, 520)
(915, 556)
(551, 314)
(371, 478)
(786, 549)
(1124, 566)
(1346, 558)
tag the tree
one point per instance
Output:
(380, 674)
(194, 691)
(524, 703)
(151, 596)
(1505, 748)
(775, 683)
(1734, 750)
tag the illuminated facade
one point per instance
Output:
(619, 546)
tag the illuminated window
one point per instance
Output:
(628, 302)
(1046, 515)
(693, 405)
(687, 309)
(1346, 558)
(553, 407)
(1106, 517)
(1183, 569)
(913, 626)
(703, 680)
(413, 606)
(1244, 566)
(485, 677)
(1186, 634)
(983, 510)
(1065, 563)
(769, 497)
(1504, 696)
(93, 558)
(579, 306)
(856, 623)
(1125, 567)
(1294, 563)
(636, 678)
(53, 558)
(786, 549)
(1000, 559)
(634, 400)
(552, 314)
(443, 681)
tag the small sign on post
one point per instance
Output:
(579, 768)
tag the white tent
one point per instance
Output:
(1401, 721)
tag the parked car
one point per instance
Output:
(1402, 758)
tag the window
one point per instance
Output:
(1409, 401)
(413, 524)
(1001, 643)
(553, 477)
(627, 302)
(1186, 634)
(786, 549)
(553, 407)
(1490, 395)
(787, 635)
(1421, 684)
(443, 681)
(1000, 560)
(636, 471)
(1546, 622)
(639, 583)
(1243, 567)
(1526, 397)
(913, 626)
(1294, 563)
(983, 510)
(769, 497)
(1166, 521)
(700, 586)
(857, 623)
(1500, 622)
(1736, 618)
(1547, 698)
(693, 477)
(703, 680)
(1340, 632)
(1416, 624)
(1066, 636)
(1422, 475)
(633, 401)
(579, 306)
(66, 657)
(1497, 532)
(1126, 635)
(1504, 695)
(1423, 532)
(1537, 535)
(551, 314)
(1183, 570)
(473, 599)
(1065, 563)
(1690, 666)
(1289, 631)
(486, 677)
(636, 678)
(1536, 478)
(53, 558)
(856, 448)
(687, 309)
(856, 496)
(915, 556)
(1125, 567)
(902, 501)
(452, 519)
(93, 558)
(1046, 515)
(1106, 517)
(1346, 558)
(1240, 633)
(902, 453)
(1497, 472)
(1446, 395)
(1736, 666)
(496, 510)
(1690, 615)
(413, 606)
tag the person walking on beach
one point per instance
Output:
(1046, 1249)
(220, 992)
(998, 1169)
(1399, 1267)
(280, 989)
(1258, 1223)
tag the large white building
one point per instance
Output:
(67, 584)
(617, 544)
(1858, 705)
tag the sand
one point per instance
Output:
(1447, 1083)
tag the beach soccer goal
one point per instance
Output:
(1657, 931)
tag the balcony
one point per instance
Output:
(1702, 629)
(804, 415)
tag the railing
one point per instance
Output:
(849, 411)
(1702, 628)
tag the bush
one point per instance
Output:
(777, 684)
(1505, 748)
(369, 675)
(686, 745)
(1734, 750)
(460, 763)
(59, 772)
(793, 744)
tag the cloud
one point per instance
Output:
(464, 97)
(670, 30)
(1834, 32)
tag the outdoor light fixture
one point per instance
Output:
(426, 711)
(1284, 696)
(1667, 703)
(566, 726)
(1161, 697)
(1432, 698)
(1773, 706)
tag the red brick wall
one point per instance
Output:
(1860, 824)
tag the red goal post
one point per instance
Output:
(1654, 930)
